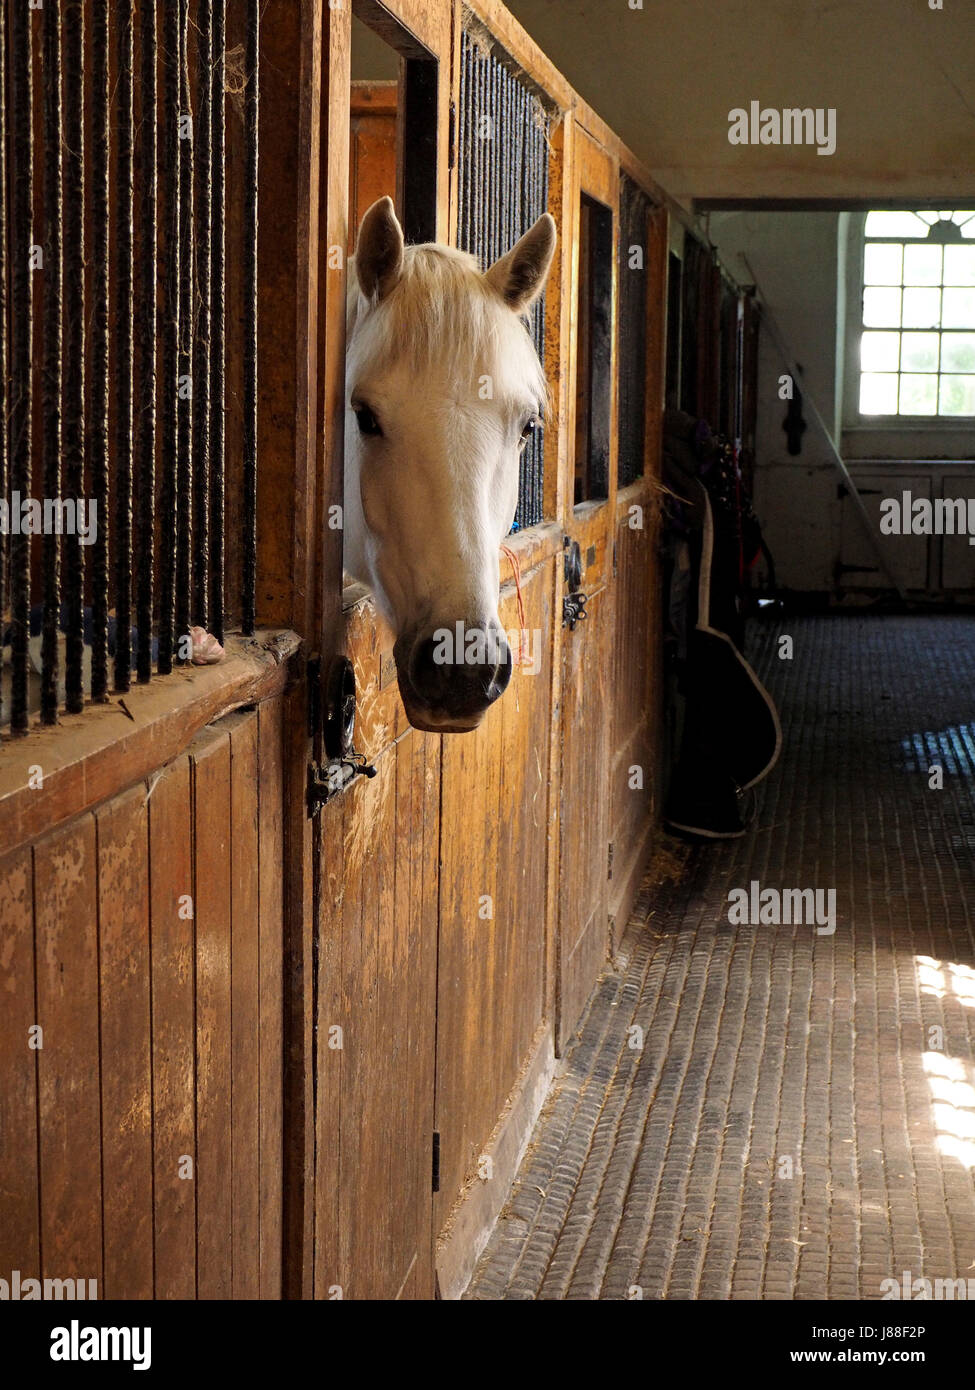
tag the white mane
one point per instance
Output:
(443, 313)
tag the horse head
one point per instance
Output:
(443, 390)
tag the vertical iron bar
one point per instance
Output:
(169, 387)
(150, 323)
(478, 247)
(252, 103)
(201, 342)
(21, 347)
(98, 402)
(217, 339)
(494, 200)
(4, 397)
(73, 399)
(508, 164)
(184, 432)
(52, 355)
(464, 146)
(124, 307)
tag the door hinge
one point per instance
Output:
(435, 1166)
(609, 861)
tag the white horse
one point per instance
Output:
(443, 390)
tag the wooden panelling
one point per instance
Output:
(173, 1042)
(68, 1111)
(584, 816)
(271, 862)
(141, 1143)
(245, 1000)
(125, 1042)
(377, 962)
(586, 654)
(19, 1233)
(210, 763)
(493, 920)
(633, 743)
(255, 1021)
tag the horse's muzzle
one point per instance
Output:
(450, 678)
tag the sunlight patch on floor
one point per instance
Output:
(950, 1079)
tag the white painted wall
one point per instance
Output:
(797, 261)
(900, 76)
(792, 257)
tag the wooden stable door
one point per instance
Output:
(586, 650)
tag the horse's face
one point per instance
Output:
(443, 390)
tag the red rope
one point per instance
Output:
(522, 658)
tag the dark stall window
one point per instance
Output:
(674, 301)
(386, 55)
(690, 326)
(594, 351)
(633, 261)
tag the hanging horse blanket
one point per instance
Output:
(732, 735)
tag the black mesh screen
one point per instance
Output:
(503, 189)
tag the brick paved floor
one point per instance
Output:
(800, 1121)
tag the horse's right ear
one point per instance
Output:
(519, 277)
(379, 251)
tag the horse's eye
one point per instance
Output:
(529, 430)
(368, 424)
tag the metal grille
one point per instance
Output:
(503, 189)
(114, 343)
(633, 256)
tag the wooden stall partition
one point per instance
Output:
(635, 792)
(494, 1053)
(142, 1138)
(376, 859)
(376, 993)
(587, 648)
(158, 854)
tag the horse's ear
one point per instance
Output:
(519, 277)
(379, 250)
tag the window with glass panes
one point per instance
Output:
(917, 349)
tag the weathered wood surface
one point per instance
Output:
(141, 1143)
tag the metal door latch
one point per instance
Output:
(574, 610)
(326, 780)
(343, 764)
(574, 602)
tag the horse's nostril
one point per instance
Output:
(500, 676)
(464, 674)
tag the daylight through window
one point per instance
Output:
(917, 350)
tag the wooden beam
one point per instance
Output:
(89, 757)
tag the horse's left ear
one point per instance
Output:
(519, 277)
(379, 251)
